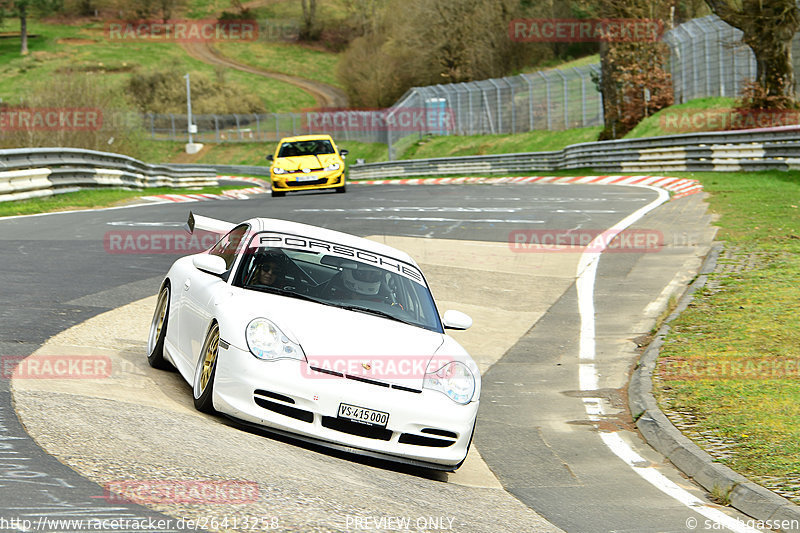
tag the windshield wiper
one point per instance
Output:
(283, 292)
(375, 312)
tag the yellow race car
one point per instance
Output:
(307, 162)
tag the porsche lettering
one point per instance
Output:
(341, 251)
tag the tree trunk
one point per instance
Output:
(774, 69)
(768, 29)
(23, 29)
(309, 19)
(610, 95)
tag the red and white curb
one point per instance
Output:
(680, 187)
(257, 181)
(233, 194)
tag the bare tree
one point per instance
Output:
(634, 80)
(308, 29)
(362, 15)
(22, 9)
(425, 42)
(147, 9)
(768, 28)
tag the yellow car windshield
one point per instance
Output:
(300, 148)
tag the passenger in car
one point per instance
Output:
(269, 274)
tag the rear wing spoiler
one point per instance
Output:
(208, 224)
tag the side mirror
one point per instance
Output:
(213, 264)
(456, 320)
(344, 153)
(270, 157)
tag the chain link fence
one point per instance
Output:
(709, 58)
(270, 127)
(544, 100)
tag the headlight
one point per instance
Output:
(278, 170)
(334, 166)
(266, 341)
(454, 379)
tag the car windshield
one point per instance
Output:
(310, 147)
(343, 277)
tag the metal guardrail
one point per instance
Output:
(26, 173)
(773, 149)
(778, 149)
(228, 170)
(34, 172)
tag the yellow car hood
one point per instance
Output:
(307, 161)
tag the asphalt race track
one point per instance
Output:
(541, 460)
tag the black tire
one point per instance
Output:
(341, 189)
(158, 332)
(278, 194)
(203, 386)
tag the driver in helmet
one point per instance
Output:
(364, 281)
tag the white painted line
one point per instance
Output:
(642, 467)
(464, 220)
(661, 302)
(51, 213)
(589, 379)
(410, 209)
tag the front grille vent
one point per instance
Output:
(356, 428)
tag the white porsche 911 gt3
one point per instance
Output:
(320, 335)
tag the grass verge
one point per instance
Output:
(92, 198)
(246, 153)
(84, 48)
(286, 58)
(533, 141)
(730, 364)
(691, 117)
(410, 147)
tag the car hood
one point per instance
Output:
(307, 161)
(344, 341)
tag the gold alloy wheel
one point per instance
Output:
(161, 312)
(158, 319)
(209, 357)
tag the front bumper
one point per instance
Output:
(424, 427)
(305, 182)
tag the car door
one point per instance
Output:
(199, 290)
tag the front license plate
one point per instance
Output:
(363, 415)
(306, 178)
